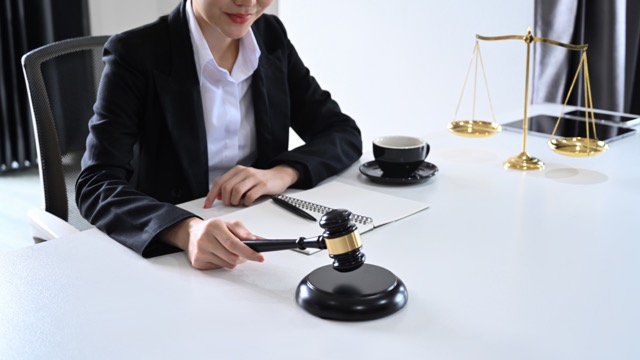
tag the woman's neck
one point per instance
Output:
(225, 54)
(224, 49)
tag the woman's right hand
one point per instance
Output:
(212, 243)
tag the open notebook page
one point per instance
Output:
(270, 221)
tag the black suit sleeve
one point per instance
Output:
(104, 193)
(332, 140)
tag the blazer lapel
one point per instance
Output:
(268, 72)
(180, 97)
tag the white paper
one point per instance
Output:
(271, 221)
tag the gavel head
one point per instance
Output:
(342, 240)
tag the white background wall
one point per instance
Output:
(397, 67)
(114, 16)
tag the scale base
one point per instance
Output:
(524, 162)
(368, 293)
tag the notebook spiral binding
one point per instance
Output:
(321, 209)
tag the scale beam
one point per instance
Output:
(573, 146)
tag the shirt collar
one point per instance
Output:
(248, 56)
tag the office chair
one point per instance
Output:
(62, 81)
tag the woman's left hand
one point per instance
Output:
(243, 185)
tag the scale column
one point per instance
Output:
(524, 161)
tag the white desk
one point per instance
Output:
(504, 265)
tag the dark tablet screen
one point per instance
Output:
(613, 118)
(544, 124)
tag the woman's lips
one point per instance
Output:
(239, 18)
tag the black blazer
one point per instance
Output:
(147, 148)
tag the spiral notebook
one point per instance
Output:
(371, 209)
(322, 209)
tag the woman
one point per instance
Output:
(199, 103)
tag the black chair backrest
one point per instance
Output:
(62, 81)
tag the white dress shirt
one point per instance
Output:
(226, 101)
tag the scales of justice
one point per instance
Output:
(569, 146)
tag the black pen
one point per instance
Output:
(292, 208)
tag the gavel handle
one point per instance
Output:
(286, 244)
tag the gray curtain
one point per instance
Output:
(26, 25)
(612, 30)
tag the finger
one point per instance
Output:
(228, 246)
(241, 189)
(203, 258)
(233, 189)
(220, 254)
(244, 234)
(209, 262)
(213, 194)
(236, 246)
(216, 262)
(216, 189)
(252, 195)
(228, 186)
(240, 230)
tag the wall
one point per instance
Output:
(399, 67)
(113, 16)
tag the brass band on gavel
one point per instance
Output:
(343, 244)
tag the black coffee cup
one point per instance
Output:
(399, 156)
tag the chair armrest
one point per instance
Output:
(46, 226)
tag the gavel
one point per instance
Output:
(340, 238)
(356, 291)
